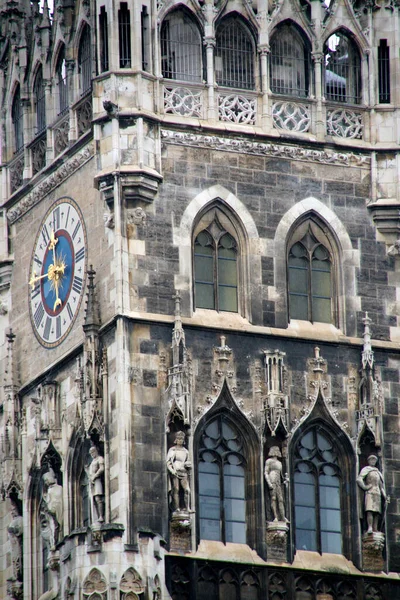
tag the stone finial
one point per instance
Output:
(178, 334)
(367, 356)
(92, 317)
(9, 369)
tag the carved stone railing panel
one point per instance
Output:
(60, 135)
(237, 109)
(291, 116)
(38, 153)
(183, 101)
(344, 123)
(84, 115)
(16, 170)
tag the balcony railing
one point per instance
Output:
(38, 153)
(61, 135)
(16, 171)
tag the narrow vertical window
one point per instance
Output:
(234, 55)
(181, 50)
(342, 69)
(145, 25)
(289, 63)
(62, 83)
(221, 471)
(215, 269)
(85, 61)
(124, 33)
(310, 280)
(17, 120)
(317, 494)
(384, 72)
(103, 27)
(40, 102)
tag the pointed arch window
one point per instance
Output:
(310, 277)
(234, 55)
(40, 102)
(289, 63)
(215, 269)
(181, 48)
(85, 61)
(342, 69)
(221, 482)
(17, 120)
(62, 82)
(317, 493)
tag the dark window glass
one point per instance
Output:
(342, 69)
(318, 517)
(124, 33)
(384, 72)
(310, 280)
(289, 63)
(145, 27)
(17, 121)
(181, 50)
(234, 55)
(40, 102)
(62, 83)
(215, 270)
(221, 471)
(103, 27)
(85, 61)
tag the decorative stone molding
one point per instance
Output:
(277, 534)
(84, 115)
(344, 123)
(373, 545)
(60, 134)
(136, 216)
(183, 101)
(276, 403)
(291, 116)
(38, 150)
(237, 109)
(180, 534)
(16, 171)
(216, 142)
(50, 183)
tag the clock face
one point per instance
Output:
(57, 272)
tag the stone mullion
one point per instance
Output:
(212, 109)
(266, 120)
(320, 112)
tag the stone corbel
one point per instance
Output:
(141, 186)
(385, 213)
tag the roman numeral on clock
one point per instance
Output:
(38, 316)
(80, 254)
(56, 218)
(47, 328)
(36, 291)
(78, 226)
(45, 235)
(77, 284)
(58, 327)
(37, 260)
(69, 310)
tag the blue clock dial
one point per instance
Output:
(57, 272)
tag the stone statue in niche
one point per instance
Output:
(96, 477)
(275, 482)
(370, 480)
(15, 531)
(179, 466)
(51, 509)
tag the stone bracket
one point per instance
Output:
(386, 216)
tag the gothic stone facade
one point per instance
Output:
(199, 314)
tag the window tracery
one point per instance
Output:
(85, 61)
(234, 55)
(215, 268)
(17, 120)
(181, 49)
(289, 63)
(95, 586)
(342, 69)
(40, 102)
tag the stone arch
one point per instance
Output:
(348, 260)
(215, 196)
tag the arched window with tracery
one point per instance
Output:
(62, 82)
(85, 61)
(222, 482)
(181, 47)
(215, 268)
(317, 493)
(17, 120)
(342, 69)
(40, 102)
(289, 62)
(234, 54)
(311, 285)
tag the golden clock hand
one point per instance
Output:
(52, 245)
(56, 283)
(35, 278)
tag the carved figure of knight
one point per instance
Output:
(275, 481)
(178, 465)
(96, 476)
(15, 531)
(370, 480)
(51, 509)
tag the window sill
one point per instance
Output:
(334, 563)
(228, 320)
(314, 330)
(229, 552)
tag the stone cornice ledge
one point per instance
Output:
(230, 144)
(50, 183)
